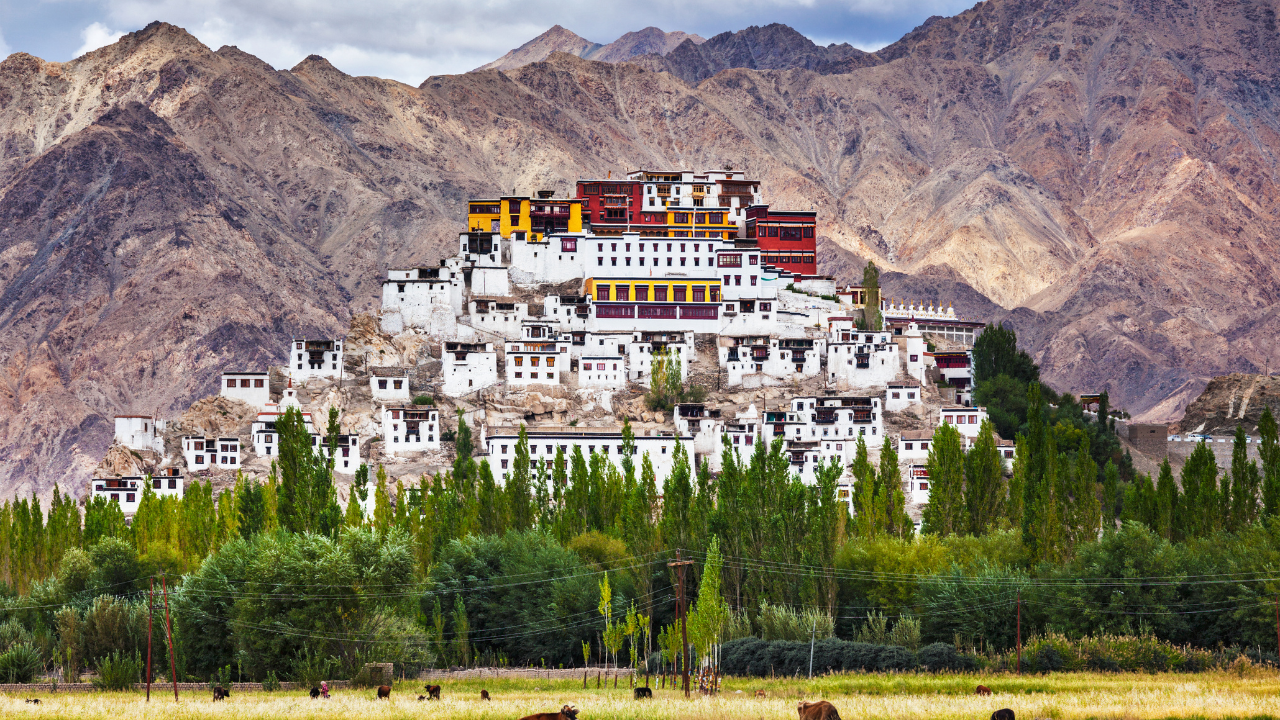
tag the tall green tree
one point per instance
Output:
(894, 507)
(251, 507)
(1110, 495)
(871, 287)
(1166, 502)
(985, 488)
(1269, 451)
(864, 492)
(519, 486)
(493, 507)
(946, 513)
(1244, 484)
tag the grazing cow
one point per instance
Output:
(219, 693)
(761, 694)
(384, 692)
(643, 692)
(1002, 714)
(33, 701)
(568, 712)
(982, 690)
(821, 710)
(484, 694)
(315, 693)
(433, 692)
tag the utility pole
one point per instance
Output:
(1278, 623)
(812, 633)
(1020, 632)
(679, 565)
(173, 663)
(151, 594)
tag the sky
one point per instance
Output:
(410, 40)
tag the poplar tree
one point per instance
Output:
(251, 507)
(1245, 482)
(359, 495)
(1166, 502)
(864, 492)
(984, 484)
(896, 521)
(492, 509)
(1269, 451)
(1111, 494)
(518, 485)
(228, 514)
(677, 502)
(382, 513)
(945, 514)
(1036, 492)
(1087, 513)
(871, 287)
(1200, 512)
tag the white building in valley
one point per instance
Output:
(127, 492)
(266, 439)
(861, 358)
(314, 358)
(207, 453)
(427, 299)
(253, 388)
(140, 432)
(544, 442)
(389, 384)
(410, 428)
(968, 420)
(468, 367)
(498, 316)
(756, 360)
(645, 345)
(541, 356)
(607, 372)
(902, 394)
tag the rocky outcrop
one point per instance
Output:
(650, 40)
(1230, 401)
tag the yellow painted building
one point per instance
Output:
(536, 216)
(643, 290)
(699, 220)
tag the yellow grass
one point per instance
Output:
(895, 697)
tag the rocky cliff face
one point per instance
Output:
(1100, 176)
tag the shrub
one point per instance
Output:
(118, 671)
(939, 656)
(20, 663)
(271, 683)
(424, 400)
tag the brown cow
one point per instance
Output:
(220, 694)
(384, 692)
(484, 694)
(1002, 714)
(982, 690)
(761, 694)
(821, 710)
(433, 692)
(642, 693)
(568, 712)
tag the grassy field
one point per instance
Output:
(896, 697)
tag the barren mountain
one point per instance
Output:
(1232, 400)
(772, 47)
(1101, 175)
(558, 39)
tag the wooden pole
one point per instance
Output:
(1278, 625)
(173, 663)
(151, 594)
(679, 565)
(1020, 632)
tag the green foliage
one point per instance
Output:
(119, 671)
(424, 400)
(871, 319)
(667, 386)
(20, 663)
(946, 513)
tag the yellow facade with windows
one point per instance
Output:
(644, 290)
(521, 214)
(710, 219)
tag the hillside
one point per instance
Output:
(650, 40)
(1100, 176)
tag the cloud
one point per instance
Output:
(95, 36)
(408, 40)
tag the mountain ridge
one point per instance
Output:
(650, 40)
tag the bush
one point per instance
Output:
(271, 683)
(118, 671)
(20, 663)
(424, 400)
(939, 656)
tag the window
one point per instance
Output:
(915, 358)
(199, 459)
(519, 361)
(753, 280)
(399, 384)
(258, 383)
(731, 260)
(231, 383)
(946, 418)
(244, 383)
(699, 293)
(551, 362)
(909, 446)
(753, 259)
(504, 464)
(382, 384)
(642, 291)
(173, 484)
(973, 419)
(896, 396)
(519, 375)
(623, 293)
(535, 361)
(715, 294)
(766, 307)
(737, 279)
(679, 293)
(533, 376)
(660, 293)
(129, 497)
(602, 292)
(614, 261)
